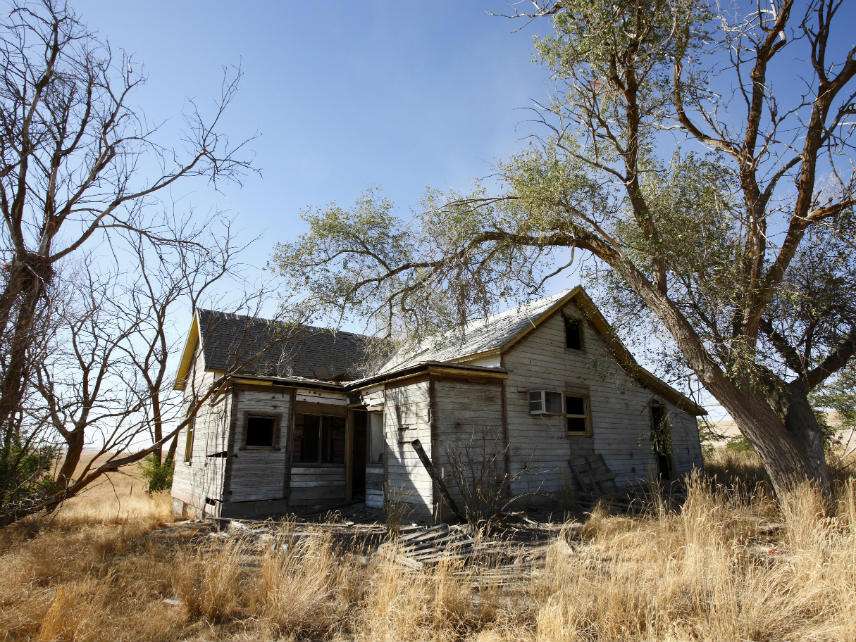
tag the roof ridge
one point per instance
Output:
(279, 321)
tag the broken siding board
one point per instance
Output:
(619, 410)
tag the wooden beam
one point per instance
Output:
(426, 461)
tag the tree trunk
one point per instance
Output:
(75, 443)
(27, 283)
(173, 445)
(791, 448)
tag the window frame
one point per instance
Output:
(277, 419)
(587, 416)
(189, 438)
(567, 319)
(318, 462)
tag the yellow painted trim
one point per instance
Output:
(253, 382)
(190, 344)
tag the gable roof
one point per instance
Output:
(265, 349)
(475, 338)
(498, 333)
(258, 347)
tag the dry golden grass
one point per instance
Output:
(728, 565)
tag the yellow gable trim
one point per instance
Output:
(190, 345)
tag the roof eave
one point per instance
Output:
(435, 367)
(193, 339)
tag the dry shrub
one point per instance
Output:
(74, 613)
(434, 603)
(303, 587)
(208, 581)
(703, 573)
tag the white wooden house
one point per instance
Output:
(544, 389)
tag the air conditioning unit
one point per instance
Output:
(545, 402)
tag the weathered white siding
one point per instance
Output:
(541, 449)
(686, 446)
(407, 417)
(202, 478)
(468, 447)
(259, 473)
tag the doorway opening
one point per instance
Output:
(661, 440)
(359, 454)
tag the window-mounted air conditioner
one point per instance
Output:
(545, 402)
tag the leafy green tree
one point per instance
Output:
(714, 208)
(837, 400)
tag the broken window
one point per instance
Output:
(573, 333)
(260, 431)
(319, 439)
(577, 419)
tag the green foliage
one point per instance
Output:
(25, 476)
(158, 474)
(838, 398)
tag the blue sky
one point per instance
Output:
(345, 95)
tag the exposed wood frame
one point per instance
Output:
(581, 325)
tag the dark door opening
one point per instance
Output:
(661, 440)
(359, 453)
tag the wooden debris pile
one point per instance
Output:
(420, 545)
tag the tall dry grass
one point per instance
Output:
(727, 565)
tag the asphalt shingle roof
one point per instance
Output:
(266, 348)
(475, 337)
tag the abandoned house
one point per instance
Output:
(546, 393)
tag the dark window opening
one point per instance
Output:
(576, 414)
(260, 431)
(188, 439)
(573, 333)
(319, 439)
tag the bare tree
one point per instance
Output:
(74, 171)
(726, 246)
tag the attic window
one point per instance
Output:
(573, 333)
(260, 431)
